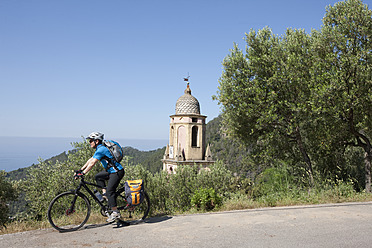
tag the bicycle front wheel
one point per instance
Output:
(69, 211)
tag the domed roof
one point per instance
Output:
(187, 104)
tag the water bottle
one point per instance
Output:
(98, 195)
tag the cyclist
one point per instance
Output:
(113, 172)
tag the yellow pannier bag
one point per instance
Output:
(134, 191)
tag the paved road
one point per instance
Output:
(333, 225)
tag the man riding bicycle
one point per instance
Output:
(113, 172)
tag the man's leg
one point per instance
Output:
(111, 194)
(101, 178)
(112, 184)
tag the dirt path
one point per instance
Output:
(331, 225)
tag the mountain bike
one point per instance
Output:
(70, 210)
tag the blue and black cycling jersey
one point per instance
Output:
(103, 154)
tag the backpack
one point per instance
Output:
(116, 151)
(134, 191)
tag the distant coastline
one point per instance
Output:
(20, 152)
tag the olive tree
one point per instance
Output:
(264, 93)
(342, 76)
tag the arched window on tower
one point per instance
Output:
(194, 137)
(171, 136)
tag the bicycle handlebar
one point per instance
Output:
(78, 175)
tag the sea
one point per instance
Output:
(20, 152)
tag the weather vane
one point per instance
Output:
(186, 79)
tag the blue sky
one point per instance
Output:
(75, 66)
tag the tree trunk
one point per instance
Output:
(367, 167)
(305, 156)
(366, 145)
(364, 142)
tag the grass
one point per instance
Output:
(240, 202)
(29, 225)
(22, 226)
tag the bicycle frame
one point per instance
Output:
(84, 184)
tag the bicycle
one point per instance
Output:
(70, 210)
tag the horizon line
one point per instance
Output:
(60, 137)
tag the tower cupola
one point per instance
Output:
(187, 104)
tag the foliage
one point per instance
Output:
(206, 199)
(8, 192)
(342, 85)
(47, 180)
(171, 193)
(275, 179)
(264, 97)
(277, 186)
(232, 152)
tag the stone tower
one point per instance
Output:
(187, 144)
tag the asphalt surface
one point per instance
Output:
(330, 225)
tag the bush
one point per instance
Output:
(47, 180)
(206, 199)
(8, 193)
(275, 180)
(172, 193)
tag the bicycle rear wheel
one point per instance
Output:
(69, 211)
(138, 212)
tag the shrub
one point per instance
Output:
(206, 199)
(275, 180)
(172, 193)
(47, 180)
(8, 193)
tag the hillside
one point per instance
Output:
(151, 160)
(230, 151)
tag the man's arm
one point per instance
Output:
(89, 165)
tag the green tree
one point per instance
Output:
(265, 94)
(342, 89)
(8, 193)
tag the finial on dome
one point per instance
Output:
(187, 104)
(188, 90)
